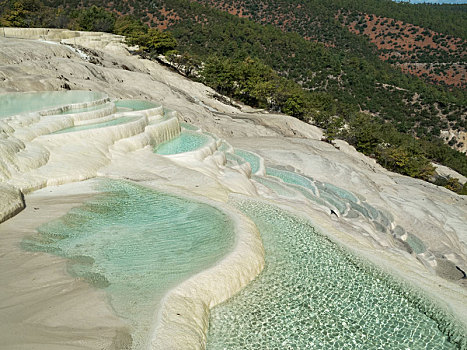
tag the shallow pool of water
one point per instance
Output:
(291, 178)
(224, 147)
(275, 186)
(415, 243)
(24, 102)
(136, 243)
(233, 159)
(249, 157)
(313, 294)
(186, 142)
(336, 191)
(112, 122)
(136, 105)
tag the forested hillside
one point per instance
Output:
(347, 67)
(436, 57)
(412, 106)
(422, 29)
(322, 73)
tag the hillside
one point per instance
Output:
(314, 20)
(348, 68)
(329, 85)
(410, 36)
(436, 57)
(424, 53)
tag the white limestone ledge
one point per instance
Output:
(94, 40)
(11, 203)
(79, 105)
(183, 318)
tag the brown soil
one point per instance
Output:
(414, 48)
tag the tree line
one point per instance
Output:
(34, 13)
(362, 101)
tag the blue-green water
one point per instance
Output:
(291, 178)
(336, 191)
(275, 186)
(309, 195)
(249, 157)
(167, 111)
(136, 105)
(112, 122)
(24, 102)
(136, 243)
(313, 294)
(186, 142)
(333, 197)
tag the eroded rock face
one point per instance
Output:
(414, 229)
(12, 201)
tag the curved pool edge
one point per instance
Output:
(183, 318)
(447, 296)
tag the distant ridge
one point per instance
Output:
(457, 2)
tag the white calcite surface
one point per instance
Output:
(34, 158)
(448, 172)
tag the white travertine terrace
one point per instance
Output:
(192, 299)
(35, 157)
(78, 155)
(32, 157)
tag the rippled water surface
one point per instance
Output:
(186, 142)
(314, 295)
(136, 243)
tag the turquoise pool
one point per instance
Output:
(249, 157)
(291, 178)
(275, 186)
(24, 102)
(136, 243)
(313, 294)
(136, 105)
(112, 122)
(224, 147)
(186, 142)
